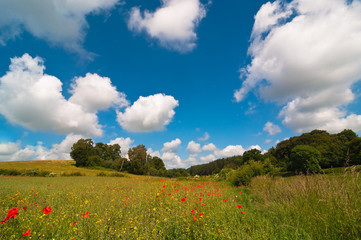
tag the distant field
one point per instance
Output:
(142, 207)
(55, 166)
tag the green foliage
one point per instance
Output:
(215, 166)
(81, 151)
(224, 172)
(354, 151)
(334, 148)
(244, 174)
(305, 158)
(138, 159)
(253, 154)
(156, 163)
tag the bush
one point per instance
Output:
(101, 174)
(224, 172)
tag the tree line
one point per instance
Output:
(87, 154)
(309, 152)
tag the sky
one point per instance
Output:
(192, 80)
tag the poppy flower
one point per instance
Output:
(204, 204)
(239, 206)
(47, 210)
(73, 224)
(183, 200)
(201, 215)
(86, 215)
(27, 233)
(25, 207)
(193, 212)
(242, 212)
(194, 218)
(224, 200)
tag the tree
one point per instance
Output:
(156, 163)
(138, 159)
(253, 154)
(305, 158)
(81, 151)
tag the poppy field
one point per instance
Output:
(139, 207)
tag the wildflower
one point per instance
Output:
(86, 215)
(219, 229)
(204, 204)
(239, 206)
(194, 218)
(46, 210)
(25, 207)
(27, 233)
(242, 212)
(201, 215)
(163, 186)
(224, 200)
(193, 212)
(183, 200)
(74, 223)
(12, 213)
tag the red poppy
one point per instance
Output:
(242, 212)
(239, 206)
(183, 200)
(193, 212)
(27, 233)
(163, 186)
(201, 215)
(86, 215)
(74, 223)
(25, 207)
(47, 210)
(12, 213)
(194, 218)
(224, 200)
(219, 229)
(204, 204)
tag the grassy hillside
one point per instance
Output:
(55, 166)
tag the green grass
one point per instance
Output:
(58, 167)
(140, 207)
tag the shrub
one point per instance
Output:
(305, 158)
(101, 174)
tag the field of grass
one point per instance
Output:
(55, 166)
(139, 207)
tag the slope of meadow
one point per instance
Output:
(55, 166)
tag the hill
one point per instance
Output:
(54, 166)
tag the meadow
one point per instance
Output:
(140, 207)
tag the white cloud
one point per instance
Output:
(172, 146)
(172, 160)
(173, 24)
(205, 137)
(86, 88)
(207, 158)
(209, 147)
(153, 153)
(59, 22)
(193, 147)
(61, 151)
(147, 114)
(271, 128)
(124, 143)
(268, 141)
(307, 54)
(34, 100)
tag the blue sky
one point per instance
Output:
(191, 80)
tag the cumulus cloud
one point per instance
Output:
(85, 88)
(172, 146)
(209, 147)
(271, 128)
(153, 153)
(228, 151)
(173, 24)
(306, 55)
(205, 137)
(34, 100)
(13, 151)
(193, 147)
(147, 114)
(172, 160)
(124, 143)
(61, 23)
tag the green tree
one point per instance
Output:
(81, 151)
(253, 154)
(138, 160)
(156, 163)
(305, 158)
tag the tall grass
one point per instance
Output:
(317, 206)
